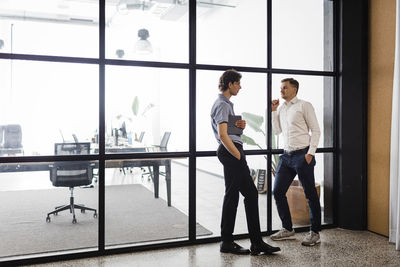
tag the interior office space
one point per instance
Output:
(91, 78)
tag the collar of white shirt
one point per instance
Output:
(293, 101)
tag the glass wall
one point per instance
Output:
(33, 219)
(232, 33)
(298, 205)
(43, 27)
(210, 195)
(302, 34)
(250, 102)
(142, 105)
(126, 106)
(146, 201)
(44, 103)
(318, 91)
(147, 30)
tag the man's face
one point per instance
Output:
(288, 91)
(234, 88)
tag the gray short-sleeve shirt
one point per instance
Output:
(220, 112)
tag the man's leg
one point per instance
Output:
(283, 178)
(305, 173)
(250, 194)
(231, 197)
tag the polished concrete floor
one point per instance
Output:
(338, 247)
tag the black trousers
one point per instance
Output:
(238, 179)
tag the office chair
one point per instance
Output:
(140, 138)
(75, 138)
(11, 139)
(71, 174)
(95, 175)
(130, 169)
(156, 148)
(1, 135)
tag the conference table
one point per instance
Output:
(154, 163)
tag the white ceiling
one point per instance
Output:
(86, 11)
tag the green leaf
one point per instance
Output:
(253, 121)
(248, 140)
(135, 106)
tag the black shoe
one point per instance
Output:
(232, 247)
(263, 247)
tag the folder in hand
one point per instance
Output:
(232, 129)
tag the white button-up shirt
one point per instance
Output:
(295, 120)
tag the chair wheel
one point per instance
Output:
(82, 210)
(47, 219)
(74, 220)
(95, 215)
(56, 213)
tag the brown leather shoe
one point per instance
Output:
(262, 247)
(232, 247)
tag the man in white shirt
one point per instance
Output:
(295, 119)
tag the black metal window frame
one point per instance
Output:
(192, 154)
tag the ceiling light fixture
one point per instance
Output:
(143, 46)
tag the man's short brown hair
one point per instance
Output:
(293, 82)
(229, 76)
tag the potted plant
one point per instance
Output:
(136, 115)
(256, 122)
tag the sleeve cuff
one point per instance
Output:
(312, 150)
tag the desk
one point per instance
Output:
(155, 163)
(121, 149)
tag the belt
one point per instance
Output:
(295, 152)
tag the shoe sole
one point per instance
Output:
(283, 238)
(256, 253)
(311, 244)
(236, 253)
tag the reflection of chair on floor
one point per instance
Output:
(11, 139)
(71, 174)
(157, 148)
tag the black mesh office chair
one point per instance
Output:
(163, 144)
(71, 174)
(140, 138)
(11, 139)
(157, 148)
(1, 135)
(130, 169)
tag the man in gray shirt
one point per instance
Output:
(295, 119)
(236, 172)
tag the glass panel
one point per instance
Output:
(298, 205)
(146, 201)
(250, 100)
(319, 92)
(144, 105)
(302, 34)
(46, 27)
(232, 32)
(44, 103)
(210, 194)
(32, 190)
(147, 30)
